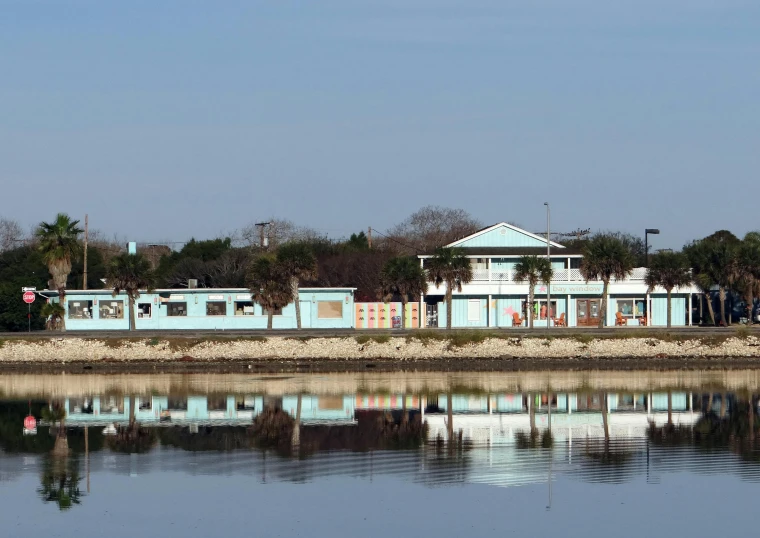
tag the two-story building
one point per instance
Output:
(493, 298)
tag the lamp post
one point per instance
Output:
(549, 259)
(653, 231)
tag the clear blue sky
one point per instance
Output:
(170, 119)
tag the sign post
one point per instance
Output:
(29, 297)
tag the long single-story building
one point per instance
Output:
(204, 308)
(494, 299)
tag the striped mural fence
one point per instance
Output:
(385, 315)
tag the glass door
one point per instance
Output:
(589, 312)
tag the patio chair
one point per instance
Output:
(560, 321)
(517, 321)
(643, 321)
(619, 319)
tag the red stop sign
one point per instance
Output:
(29, 297)
(30, 423)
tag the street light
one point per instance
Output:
(653, 231)
(549, 259)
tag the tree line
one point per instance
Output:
(720, 264)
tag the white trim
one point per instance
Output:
(513, 228)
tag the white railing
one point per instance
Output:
(560, 275)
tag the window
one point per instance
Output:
(111, 309)
(144, 310)
(243, 308)
(277, 311)
(176, 309)
(539, 309)
(473, 310)
(329, 309)
(217, 308)
(632, 308)
(80, 309)
(112, 404)
(216, 403)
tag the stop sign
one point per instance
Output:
(30, 423)
(29, 297)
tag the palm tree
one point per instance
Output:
(698, 254)
(130, 273)
(606, 257)
(53, 314)
(532, 269)
(403, 276)
(716, 255)
(59, 244)
(298, 261)
(270, 286)
(748, 270)
(452, 267)
(668, 270)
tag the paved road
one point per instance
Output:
(311, 333)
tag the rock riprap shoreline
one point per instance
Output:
(362, 347)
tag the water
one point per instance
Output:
(379, 454)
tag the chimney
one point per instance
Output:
(192, 283)
(131, 247)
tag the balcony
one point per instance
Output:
(560, 275)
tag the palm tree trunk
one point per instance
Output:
(132, 411)
(670, 408)
(270, 316)
(449, 301)
(294, 287)
(723, 405)
(450, 416)
(605, 423)
(532, 412)
(62, 302)
(670, 306)
(296, 438)
(403, 311)
(531, 311)
(710, 310)
(722, 296)
(603, 305)
(132, 326)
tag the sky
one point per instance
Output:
(175, 119)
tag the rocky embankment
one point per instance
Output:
(363, 347)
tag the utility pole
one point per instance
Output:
(549, 258)
(86, 230)
(263, 239)
(369, 237)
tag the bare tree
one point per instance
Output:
(433, 226)
(11, 234)
(279, 231)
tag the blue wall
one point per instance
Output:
(196, 318)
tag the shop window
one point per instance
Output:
(80, 309)
(473, 310)
(243, 308)
(329, 309)
(216, 403)
(144, 403)
(112, 405)
(632, 308)
(539, 309)
(176, 403)
(216, 308)
(176, 309)
(277, 311)
(111, 309)
(144, 310)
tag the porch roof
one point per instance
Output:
(514, 251)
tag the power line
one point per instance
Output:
(415, 249)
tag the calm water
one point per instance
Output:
(576, 453)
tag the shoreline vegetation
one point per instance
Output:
(463, 348)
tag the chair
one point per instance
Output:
(560, 321)
(643, 321)
(619, 319)
(517, 321)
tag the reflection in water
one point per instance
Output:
(435, 436)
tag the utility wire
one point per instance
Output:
(415, 249)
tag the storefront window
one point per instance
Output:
(632, 308)
(330, 309)
(80, 309)
(217, 308)
(176, 309)
(144, 310)
(111, 309)
(539, 309)
(277, 311)
(243, 308)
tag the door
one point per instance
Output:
(431, 315)
(588, 312)
(305, 314)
